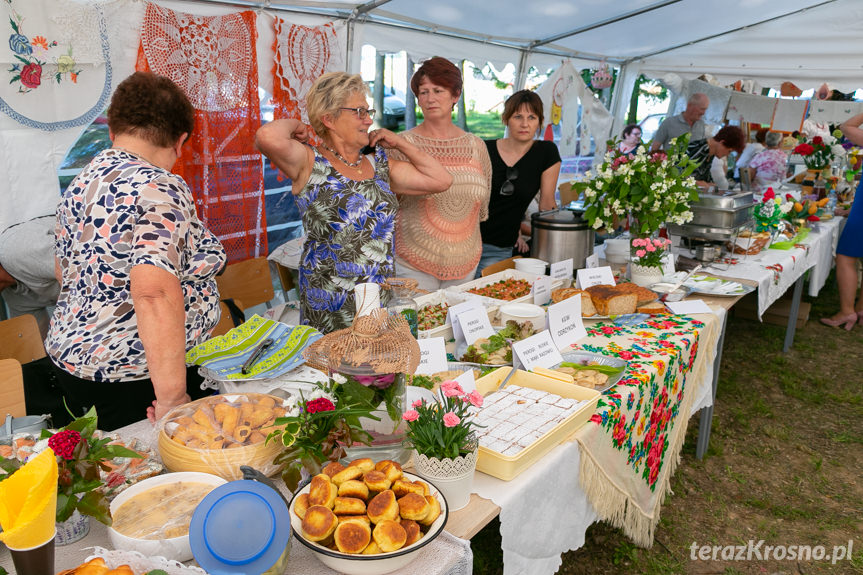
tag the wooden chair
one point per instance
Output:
(506, 264)
(286, 278)
(248, 281)
(226, 322)
(11, 389)
(20, 339)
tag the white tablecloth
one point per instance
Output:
(826, 251)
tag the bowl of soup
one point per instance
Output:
(152, 517)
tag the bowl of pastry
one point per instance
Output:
(152, 516)
(367, 518)
(218, 434)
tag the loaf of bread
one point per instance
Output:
(610, 301)
(642, 294)
(653, 307)
(587, 307)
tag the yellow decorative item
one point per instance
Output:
(28, 503)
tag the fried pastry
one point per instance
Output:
(425, 487)
(354, 488)
(301, 505)
(121, 570)
(322, 491)
(372, 549)
(332, 468)
(347, 474)
(434, 511)
(390, 468)
(352, 537)
(376, 481)
(319, 523)
(383, 506)
(364, 519)
(389, 535)
(364, 463)
(414, 506)
(402, 488)
(348, 506)
(412, 528)
(93, 567)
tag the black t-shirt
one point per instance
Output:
(506, 212)
(699, 152)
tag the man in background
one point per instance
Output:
(687, 122)
(27, 282)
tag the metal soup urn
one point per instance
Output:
(561, 234)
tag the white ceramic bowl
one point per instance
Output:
(372, 564)
(521, 312)
(531, 266)
(176, 548)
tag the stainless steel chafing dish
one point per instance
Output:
(723, 210)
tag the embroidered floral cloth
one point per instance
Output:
(632, 443)
(223, 357)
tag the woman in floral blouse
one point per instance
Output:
(136, 266)
(347, 199)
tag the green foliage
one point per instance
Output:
(443, 429)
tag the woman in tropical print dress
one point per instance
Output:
(347, 200)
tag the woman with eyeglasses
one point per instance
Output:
(438, 241)
(521, 167)
(347, 200)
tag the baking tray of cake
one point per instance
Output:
(505, 275)
(553, 423)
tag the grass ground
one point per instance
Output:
(485, 126)
(784, 463)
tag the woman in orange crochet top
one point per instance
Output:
(438, 241)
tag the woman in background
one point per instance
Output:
(347, 200)
(631, 140)
(438, 239)
(702, 152)
(768, 167)
(521, 166)
(850, 248)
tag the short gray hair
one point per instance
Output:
(772, 139)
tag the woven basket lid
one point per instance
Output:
(378, 343)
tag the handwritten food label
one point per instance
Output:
(689, 306)
(562, 271)
(453, 313)
(542, 290)
(564, 322)
(466, 381)
(432, 356)
(592, 261)
(474, 324)
(537, 351)
(595, 276)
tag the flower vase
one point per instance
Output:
(73, 529)
(388, 434)
(644, 276)
(453, 477)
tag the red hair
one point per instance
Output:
(439, 71)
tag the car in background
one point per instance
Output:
(649, 125)
(394, 106)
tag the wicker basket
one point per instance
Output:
(222, 462)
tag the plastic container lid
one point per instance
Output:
(240, 527)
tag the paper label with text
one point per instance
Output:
(474, 324)
(595, 276)
(565, 323)
(537, 351)
(562, 270)
(542, 290)
(432, 356)
(453, 313)
(592, 261)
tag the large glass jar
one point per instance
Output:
(388, 434)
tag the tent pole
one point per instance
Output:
(410, 99)
(521, 71)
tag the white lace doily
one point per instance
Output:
(141, 564)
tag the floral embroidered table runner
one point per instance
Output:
(631, 445)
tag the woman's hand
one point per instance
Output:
(521, 245)
(385, 138)
(160, 408)
(300, 132)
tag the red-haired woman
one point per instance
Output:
(438, 239)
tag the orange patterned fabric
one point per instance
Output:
(303, 54)
(213, 60)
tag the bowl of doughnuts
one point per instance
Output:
(367, 518)
(219, 433)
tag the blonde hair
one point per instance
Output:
(328, 94)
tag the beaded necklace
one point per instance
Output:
(355, 165)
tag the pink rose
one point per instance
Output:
(475, 398)
(650, 248)
(450, 419)
(641, 253)
(451, 388)
(411, 415)
(31, 75)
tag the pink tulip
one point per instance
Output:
(412, 415)
(450, 419)
(475, 398)
(641, 253)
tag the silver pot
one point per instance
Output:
(561, 234)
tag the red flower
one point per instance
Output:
(619, 433)
(320, 404)
(769, 194)
(64, 442)
(813, 219)
(817, 140)
(804, 150)
(627, 355)
(31, 75)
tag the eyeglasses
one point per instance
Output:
(508, 187)
(363, 113)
